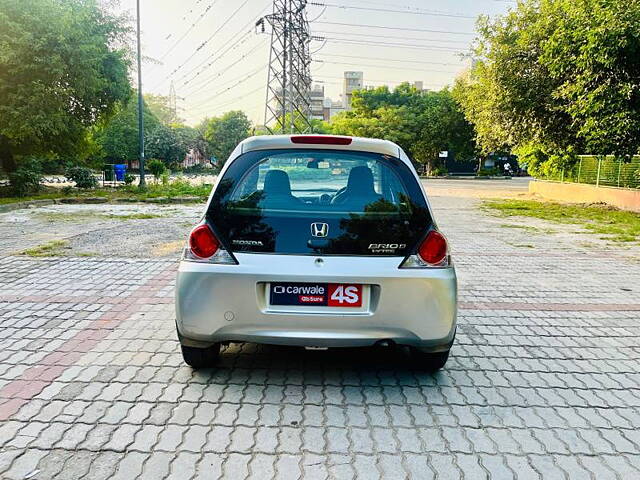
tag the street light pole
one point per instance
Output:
(142, 183)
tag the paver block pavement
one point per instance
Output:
(542, 382)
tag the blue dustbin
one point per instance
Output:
(120, 169)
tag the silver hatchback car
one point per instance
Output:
(317, 241)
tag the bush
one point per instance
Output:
(26, 179)
(198, 168)
(164, 178)
(128, 179)
(488, 172)
(539, 164)
(439, 172)
(156, 167)
(82, 176)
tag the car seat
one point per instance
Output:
(359, 191)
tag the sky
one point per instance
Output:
(217, 61)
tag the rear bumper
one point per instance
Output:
(222, 303)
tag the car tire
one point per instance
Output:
(201, 357)
(429, 361)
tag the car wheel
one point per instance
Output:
(201, 357)
(429, 361)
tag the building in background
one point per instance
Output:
(326, 109)
(317, 98)
(352, 81)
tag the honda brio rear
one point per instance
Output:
(317, 241)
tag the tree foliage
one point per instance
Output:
(225, 132)
(60, 73)
(423, 123)
(118, 139)
(555, 78)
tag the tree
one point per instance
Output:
(555, 78)
(191, 138)
(300, 124)
(118, 138)
(164, 143)
(423, 123)
(224, 133)
(60, 73)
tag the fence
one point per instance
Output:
(603, 171)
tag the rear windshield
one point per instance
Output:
(319, 202)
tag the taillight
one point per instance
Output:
(321, 140)
(202, 242)
(433, 249)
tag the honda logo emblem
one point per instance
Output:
(319, 229)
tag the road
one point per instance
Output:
(543, 380)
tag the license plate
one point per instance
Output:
(316, 294)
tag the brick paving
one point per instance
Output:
(543, 381)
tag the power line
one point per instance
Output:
(404, 7)
(233, 100)
(242, 39)
(206, 81)
(239, 82)
(397, 37)
(213, 58)
(193, 25)
(390, 10)
(184, 17)
(389, 59)
(203, 44)
(246, 74)
(370, 80)
(389, 44)
(405, 29)
(383, 66)
(199, 84)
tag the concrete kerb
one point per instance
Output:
(464, 177)
(623, 198)
(9, 207)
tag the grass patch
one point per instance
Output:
(45, 195)
(168, 248)
(53, 248)
(89, 215)
(177, 188)
(528, 228)
(616, 225)
(133, 216)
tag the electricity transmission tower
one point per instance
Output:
(173, 102)
(288, 107)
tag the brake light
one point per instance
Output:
(202, 242)
(321, 140)
(433, 249)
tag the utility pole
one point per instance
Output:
(288, 106)
(142, 184)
